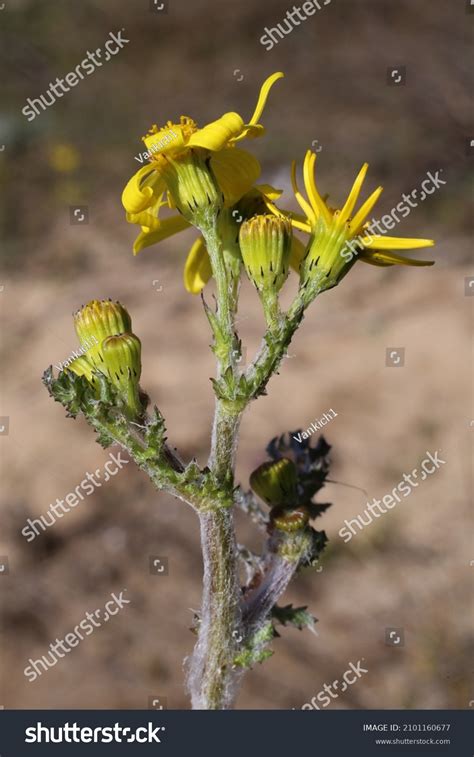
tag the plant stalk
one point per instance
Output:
(212, 680)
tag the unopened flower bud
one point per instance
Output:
(265, 242)
(275, 482)
(95, 322)
(122, 365)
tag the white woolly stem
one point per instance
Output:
(224, 443)
(212, 681)
(260, 601)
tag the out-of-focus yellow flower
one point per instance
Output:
(64, 158)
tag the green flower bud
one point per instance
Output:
(265, 243)
(95, 322)
(122, 364)
(275, 482)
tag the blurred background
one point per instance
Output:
(410, 569)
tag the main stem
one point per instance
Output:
(212, 680)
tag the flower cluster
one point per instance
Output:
(104, 330)
(201, 173)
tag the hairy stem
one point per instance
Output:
(259, 602)
(224, 443)
(212, 681)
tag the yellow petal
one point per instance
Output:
(168, 227)
(379, 242)
(250, 131)
(359, 218)
(146, 220)
(217, 135)
(197, 269)
(302, 202)
(166, 141)
(297, 221)
(317, 202)
(142, 189)
(262, 98)
(236, 172)
(268, 191)
(349, 205)
(297, 253)
(366, 258)
(391, 258)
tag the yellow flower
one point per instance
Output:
(339, 237)
(185, 161)
(64, 158)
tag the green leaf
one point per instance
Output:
(294, 616)
(256, 648)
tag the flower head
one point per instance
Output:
(198, 168)
(339, 237)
